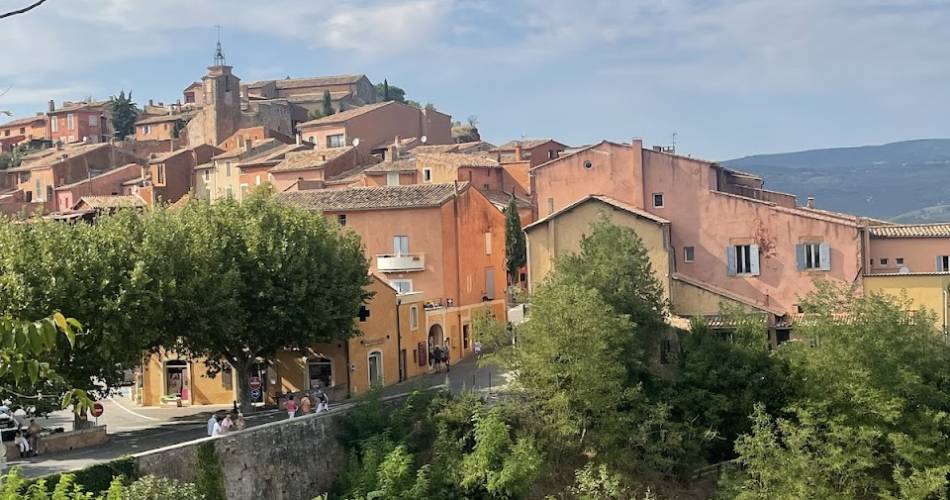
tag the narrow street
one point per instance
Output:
(134, 429)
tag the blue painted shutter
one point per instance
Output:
(800, 257)
(754, 259)
(824, 254)
(731, 260)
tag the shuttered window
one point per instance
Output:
(813, 257)
(742, 259)
(943, 263)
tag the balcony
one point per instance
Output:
(400, 263)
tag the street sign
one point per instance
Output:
(254, 383)
(97, 410)
(255, 393)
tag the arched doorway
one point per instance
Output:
(176, 380)
(436, 336)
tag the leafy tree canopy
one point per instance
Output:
(124, 114)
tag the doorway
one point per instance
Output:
(176, 379)
(375, 368)
(320, 372)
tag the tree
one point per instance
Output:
(124, 115)
(327, 103)
(386, 92)
(315, 114)
(260, 277)
(514, 242)
(870, 416)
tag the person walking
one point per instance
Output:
(238, 418)
(23, 445)
(291, 407)
(33, 435)
(211, 421)
(323, 402)
(226, 424)
(304, 404)
(217, 430)
(448, 368)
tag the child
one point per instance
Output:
(291, 407)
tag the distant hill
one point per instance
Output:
(905, 181)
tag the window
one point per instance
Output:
(22, 130)
(70, 121)
(427, 175)
(6, 133)
(402, 286)
(742, 259)
(313, 140)
(257, 180)
(335, 141)
(413, 317)
(487, 243)
(146, 129)
(883, 262)
(943, 263)
(588, 165)
(813, 257)
(392, 178)
(550, 206)
(341, 219)
(53, 124)
(93, 120)
(320, 371)
(227, 168)
(689, 254)
(466, 336)
(227, 378)
(375, 368)
(160, 175)
(657, 200)
(899, 261)
(244, 188)
(552, 154)
(490, 283)
(401, 245)
(207, 175)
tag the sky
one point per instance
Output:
(729, 78)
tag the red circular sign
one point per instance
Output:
(97, 410)
(254, 382)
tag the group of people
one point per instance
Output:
(323, 404)
(439, 358)
(222, 423)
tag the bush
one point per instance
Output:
(210, 477)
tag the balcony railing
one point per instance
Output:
(400, 263)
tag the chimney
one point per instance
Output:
(637, 143)
(151, 102)
(393, 152)
(518, 151)
(52, 105)
(811, 202)
(298, 139)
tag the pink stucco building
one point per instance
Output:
(731, 237)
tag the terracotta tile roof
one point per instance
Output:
(500, 199)
(603, 199)
(159, 158)
(348, 114)
(372, 198)
(256, 146)
(104, 174)
(52, 156)
(457, 160)
(24, 121)
(101, 202)
(313, 158)
(525, 144)
(940, 230)
(347, 177)
(76, 106)
(317, 81)
(404, 165)
(272, 155)
(165, 118)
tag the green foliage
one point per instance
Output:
(504, 467)
(598, 482)
(13, 486)
(870, 415)
(124, 114)
(209, 477)
(515, 248)
(315, 114)
(327, 104)
(387, 92)
(158, 488)
(22, 343)
(99, 477)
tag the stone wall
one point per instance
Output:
(285, 460)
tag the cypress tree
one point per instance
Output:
(327, 103)
(385, 90)
(514, 241)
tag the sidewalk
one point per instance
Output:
(464, 376)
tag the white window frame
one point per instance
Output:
(400, 244)
(336, 141)
(743, 260)
(813, 256)
(687, 250)
(70, 121)
(661, 198)
(54, 124)
(146, 129)
(398, 285)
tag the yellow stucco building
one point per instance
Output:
(925, 290)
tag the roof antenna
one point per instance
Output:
(218, 53)
(673, 147)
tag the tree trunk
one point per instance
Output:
(241, 375)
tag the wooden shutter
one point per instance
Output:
(731, 260)
(800, 257)
(824, 255)
(754, 258)
(423, 353)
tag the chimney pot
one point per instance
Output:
(151, 102)
(52, 105)
(518, 152)
(811, 202)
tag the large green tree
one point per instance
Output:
(327, 104)
(275, 277)
(387, 92)
(871, 416)
(514, 242)
(124, 114)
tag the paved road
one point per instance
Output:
(135, 429)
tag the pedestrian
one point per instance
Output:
(323, 402)
(291, 406)
(304, 404)
(238, 418)
(226, 424)
(217, 430)
(478, 348)
(211, 422)
(23, 445)
(447, 367)
(33, 435)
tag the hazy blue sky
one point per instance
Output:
(730, 77)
